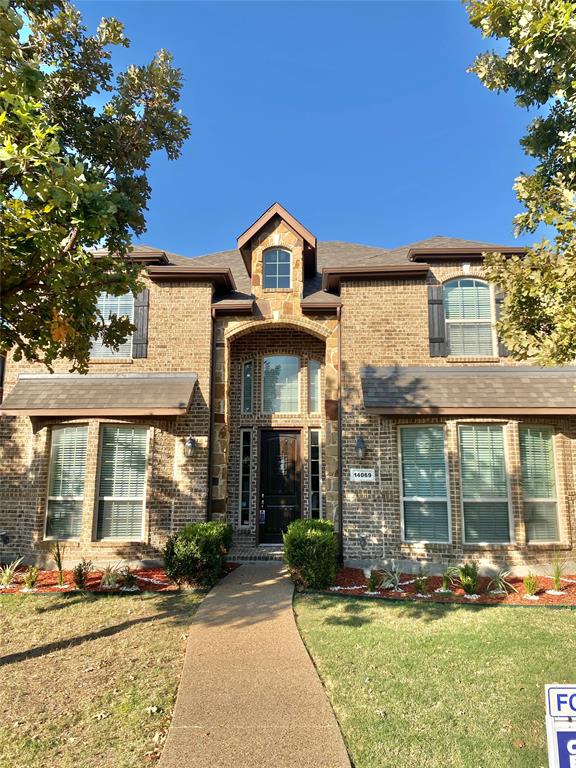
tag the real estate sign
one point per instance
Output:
(561, 725)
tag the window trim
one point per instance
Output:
(556, 499)
(492, 322)
(399, 428)
(318, 430)
(243, 388)
(317, 411)
(243, 431)
(298, 410)
(98, 498)
(49, 498)
(511, 527)
(115, 356)
(291, 276)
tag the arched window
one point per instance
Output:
(276, 268)
(469, 317)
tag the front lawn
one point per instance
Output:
(445, 686)
(89, 680)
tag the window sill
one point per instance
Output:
(277, 290)
(107, 542)
(473, 359)
(488, 545)
(108, 360)
(547, 545)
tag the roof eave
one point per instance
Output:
(471, 254)
(221, 277)
(85, 412)
(233, 307)
(332, 276)
(402, 410)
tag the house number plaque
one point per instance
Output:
(363, 475)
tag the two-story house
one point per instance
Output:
(292, 378)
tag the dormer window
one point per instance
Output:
(277, 268)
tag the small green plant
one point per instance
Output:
(499, 584)
(7, 572)
(558, 570)
(374, 581)
(110, 577)
(391, 579)
(31, 576)
(449, 576)
(197, 553)
(531, 584)
(469, 578)
(310, 551)
(81, 572)
(421, 582)
(57, 551)
(127, 580)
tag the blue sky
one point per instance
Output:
(359, 117)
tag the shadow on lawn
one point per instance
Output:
(176, 608)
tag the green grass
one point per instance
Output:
(441, 686)
(79, 671)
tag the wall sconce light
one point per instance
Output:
(190, 447)
(360, 448)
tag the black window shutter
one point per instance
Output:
(502, 351)
(436, 321)
(140, 337)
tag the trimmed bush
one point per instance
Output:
(196, 554)
(310, 551)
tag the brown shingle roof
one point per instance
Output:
(110, 394)
(479, 390)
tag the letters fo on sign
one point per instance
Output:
(561, 725)
(363, 475)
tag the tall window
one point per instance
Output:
(280, 384)
(122, 482)
(247, 382)
(276, 268)
(120, 306)
(66, 482)
(424, 488)
(245, 460)
(315, 469)
(468, 307)
(484, 484)
(313, 386)
(538, 483)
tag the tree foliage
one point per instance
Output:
(539, 65)
(75, 145)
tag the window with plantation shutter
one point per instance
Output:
(484, 484)
(120, 306)
(313, 386)
(424, 487)
(66, 482)
(122, 482)
(539, 483)
(280, 384)
(468, 312)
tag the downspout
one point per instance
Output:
(211, 414)
(340, 452)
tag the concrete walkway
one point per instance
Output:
(249, 696)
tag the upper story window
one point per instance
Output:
(469, 317)
(277, 268)
(109, 305)
(280, 385)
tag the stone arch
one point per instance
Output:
(300, 324)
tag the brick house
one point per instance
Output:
(293, 378)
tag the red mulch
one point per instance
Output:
(147, 579)
(355, 579)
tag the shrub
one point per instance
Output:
(7, 572)
(501, 584)
(558, 569)
(310, 551)
(391, 579)
(127, 579)
(31, 576)
(531, 584)
(196, 554)
(110, 577)
(374, 581)
(469, 578)
(81, 572)
(421, 582)
(449, 576)
(57, 551)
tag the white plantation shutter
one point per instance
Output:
(280, 384)
(66, 481)
(539, 483)
(314, 386)
(122, 482)
(468, 308)
(424, 489)
(120, 306)
(484, 484)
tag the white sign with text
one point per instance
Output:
(363, 475)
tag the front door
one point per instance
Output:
(280, 499)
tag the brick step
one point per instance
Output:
(249, 554)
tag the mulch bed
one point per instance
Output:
(147, 580)
(352, 581)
